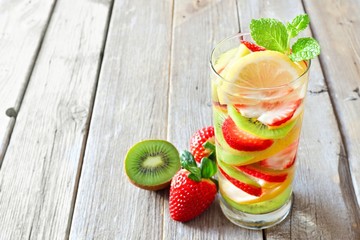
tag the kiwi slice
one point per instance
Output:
(223, 151)
(151, 164)
(261, 207)
(256, 128)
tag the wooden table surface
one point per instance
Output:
(82, 81)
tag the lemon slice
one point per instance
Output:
(228, 59)
(264, 69)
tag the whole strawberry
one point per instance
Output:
(199, 139)
(192, 189)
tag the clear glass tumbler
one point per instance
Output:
(257, 127)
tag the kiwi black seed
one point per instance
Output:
(151, 164)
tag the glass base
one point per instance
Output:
(256, 221)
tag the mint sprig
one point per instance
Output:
(298, 24)
(206, 170)
(304, 49)
(270, 33)
(275, 35)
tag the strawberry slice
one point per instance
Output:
(252, 190)
(267, 176)
(241, 140)
(252, 46)
(250, 111)
(282, 160)
(279, 113)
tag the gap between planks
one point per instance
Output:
(12, 112)
(168, 96)
(88, 123)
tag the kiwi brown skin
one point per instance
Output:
(151, 188)
(166, 182)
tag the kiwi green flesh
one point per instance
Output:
(233, 157)
(257, 128)
(151, 164)
(261, 207)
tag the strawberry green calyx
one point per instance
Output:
(274, 35)
(207, 167)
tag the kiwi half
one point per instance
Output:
(151, 164)
(256, 128)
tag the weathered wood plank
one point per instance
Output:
(40, 169)
(340, 22)
(131, 105)
(320, 211)
(22, 26)
(198, 26)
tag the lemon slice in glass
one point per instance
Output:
(264, 69)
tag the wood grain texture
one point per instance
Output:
(198, 26)
(22, 26)
(131, 105)
(340, 23)
(39, 172)
(321, 202)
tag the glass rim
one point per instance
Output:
(251, 88)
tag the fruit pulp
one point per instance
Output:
(258, 104)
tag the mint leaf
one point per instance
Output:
(305, 49)
(270, 33)
(298, 24)
(208, 168)
(188, 162)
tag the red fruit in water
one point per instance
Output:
(282, 160)
(252, 190)
(267, 176)
(252, 46)
(241, 140)
(279, 113)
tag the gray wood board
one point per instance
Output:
(40, 169)
(339, 36)
(131, 105)
(315, 215)
(22, 27)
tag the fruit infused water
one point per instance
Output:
(258, 103)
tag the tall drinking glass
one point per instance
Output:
(258, 105)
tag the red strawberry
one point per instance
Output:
(197, 141)
(252, 190)
(267, 176)
(189, 198)
(241, 140)
(191, 190)
(282, 160)
(279, 113)
(252, 46)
